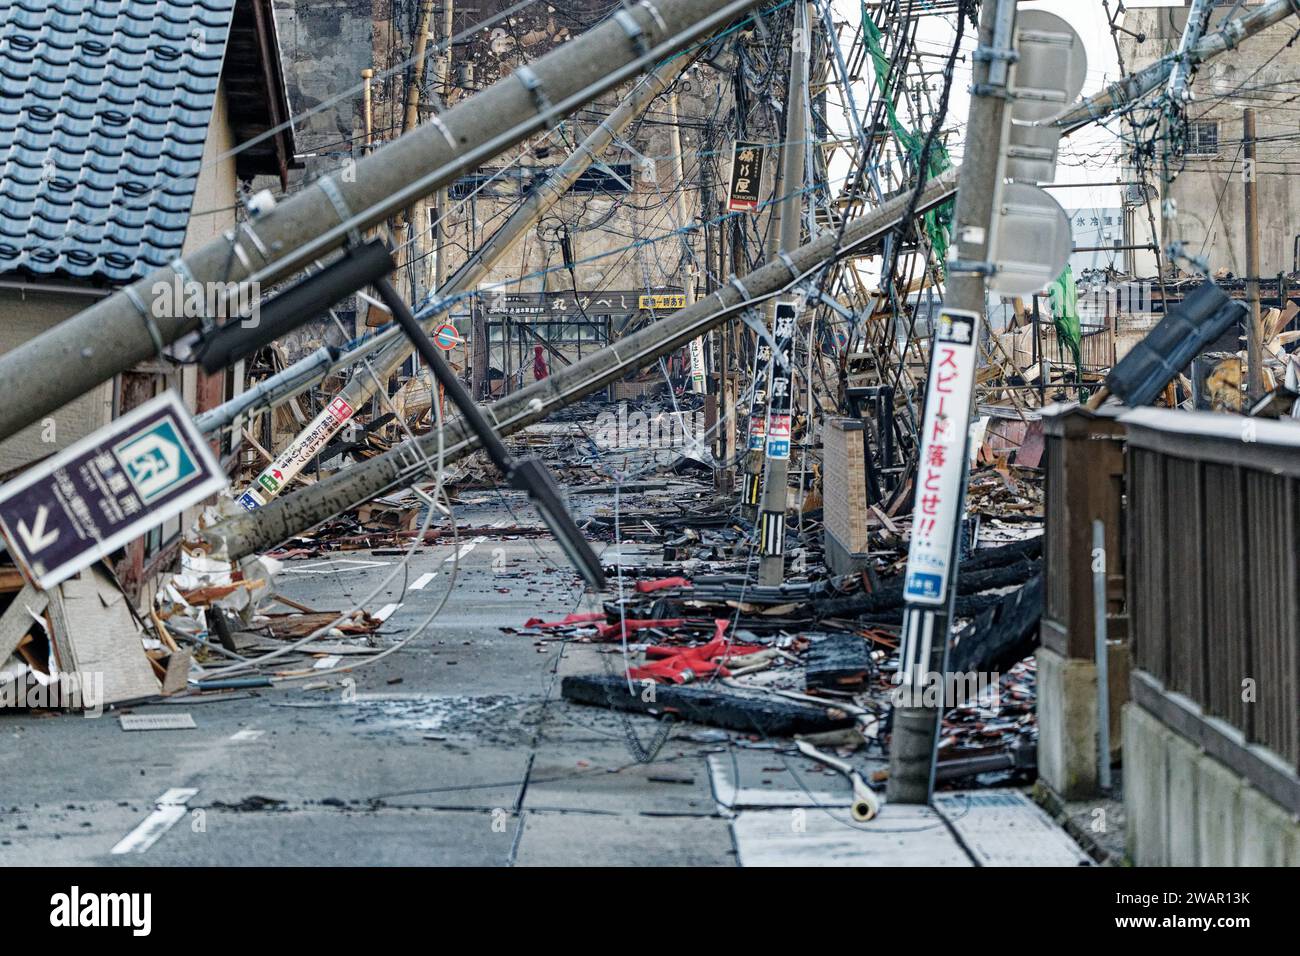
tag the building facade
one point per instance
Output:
(1208, 212)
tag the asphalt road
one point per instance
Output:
(455, 750)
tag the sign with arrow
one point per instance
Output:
(106, 490)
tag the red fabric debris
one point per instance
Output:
(571, 619)
(648, 587)
(679, 669)
(680, 665)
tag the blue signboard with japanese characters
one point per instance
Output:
(106, 490)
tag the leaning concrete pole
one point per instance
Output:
(293, 514)
(409, 231)
(363, 384)
(134, 324)
(780, 378)
(751, 488)
(923, 651)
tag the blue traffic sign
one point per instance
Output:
(107, 489)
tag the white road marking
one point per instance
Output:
(325, 663)
(464, 549)
(422, 581)
(385, 612)
(247, 734)
(332, 566)
(169, 809)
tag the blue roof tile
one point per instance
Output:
(104, 109)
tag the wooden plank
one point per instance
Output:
(11, 579)
(178, 672)
(103, 636)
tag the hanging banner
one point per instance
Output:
(746, 177)
(942, 466)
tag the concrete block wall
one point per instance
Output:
(1185, 808)
(1067, 724)
(844, 483)
(1067, 718)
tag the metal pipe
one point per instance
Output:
(1100, 651)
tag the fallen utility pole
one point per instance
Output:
(1181, 74)
(245, 534)
(1132, 88)
(368, 380)
(923, 651)
(441, 203)
(293, 380)
(776, 447)
(135, 324)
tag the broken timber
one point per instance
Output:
(748, 713)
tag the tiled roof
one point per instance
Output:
(104, 109)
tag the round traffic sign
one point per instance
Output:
(446, 337)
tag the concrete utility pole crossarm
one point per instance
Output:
(246, 534)
(115, 334)
(364, 384)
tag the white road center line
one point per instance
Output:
(464, 549)
(247, 734)
(385, 612)
(169, 809)
(422, 581)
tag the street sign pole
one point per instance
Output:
(1012, 239)
(929, 586)
(776, 458)
(776, 445)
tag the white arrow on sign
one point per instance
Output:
(35, 538)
